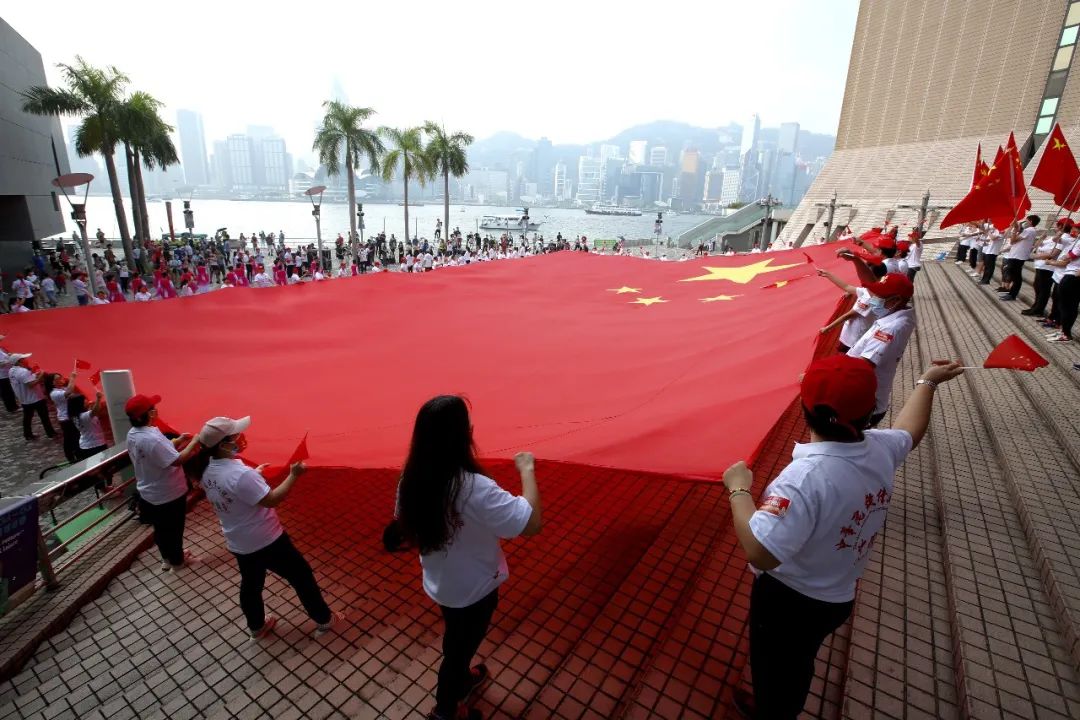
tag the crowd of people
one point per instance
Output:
(1056, 255)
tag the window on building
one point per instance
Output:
(1044, 125)
(1068, 37)
(1063, 58)
(1049, 106)
(1073, 18)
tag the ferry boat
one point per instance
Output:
(602, 209)
(517, 223)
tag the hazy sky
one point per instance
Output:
(575, 71)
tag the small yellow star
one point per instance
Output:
(647, 301)
(624, 289)
(780, 283)
(741, 275)
(720, 297)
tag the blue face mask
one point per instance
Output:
(877, 306)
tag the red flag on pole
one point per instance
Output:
(990, 198)
(82, 364)
(979, 165)
(300, 453)
(1020, 200)
(1015, 354)
(1058, 173)
(95, 379)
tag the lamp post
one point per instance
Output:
(316, 212)
(658, 227)
(189, 214)
(78, 214)
(768, 202)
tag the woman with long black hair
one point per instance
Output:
(455, 515)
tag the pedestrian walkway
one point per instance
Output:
(633, 601)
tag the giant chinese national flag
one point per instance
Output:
(1057, 173)
(673, 367)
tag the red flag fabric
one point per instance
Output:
(990, 198)
(679, 368)
(95, 379)
(1058, 173)
(1015, 354)
(1018, 190)
(979, 165)
(300, 453)
(82, 364)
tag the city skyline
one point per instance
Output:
(230, 65)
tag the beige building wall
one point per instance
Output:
(928, 81)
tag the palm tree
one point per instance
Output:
(406, 159)
(447, 156)
(95, 95)
(343, 136)
(146, 143)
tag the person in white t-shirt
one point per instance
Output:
(7, 394)
(159, 478)
(82, 291)
(914, 254)
(143, 295)
(28, 386)
(1067, 291)
(262, 278)
(455, 515)
(60, 391)
(245, 504)
(87, 422)
(428, 261)
(809, 538)
(857, 320)
(48, 286)
(24, 290)
(1018, 253)
(1048, 249)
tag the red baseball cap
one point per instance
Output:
(868, 257)
(138, 405)
(903, 245)
(892, 285)
(884, 242)
(845, 384)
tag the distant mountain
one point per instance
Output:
(496, 150)
(672, 134)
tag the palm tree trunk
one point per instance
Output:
(131, 161)
(354, 239)
(118, 205)
(145, 233)
(406, 205)
(446, 203)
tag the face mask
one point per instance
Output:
(877, 306)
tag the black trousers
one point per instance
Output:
(1069, 297)
(1044, 280)
(961, 253)
(8, 395)
(168, 521)
(42, 411)
(786, 630)
(465, 629)
(973, 257)
(989, 263)
(83, 454)
(1014, 270)
(283, 559)
(71, 440)
(912, 272)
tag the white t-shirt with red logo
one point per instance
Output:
(884, 344)
(234, 491)
(855, 327)
(821, 513)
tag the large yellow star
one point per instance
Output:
(720, 297)
(647, 301)
(624, 289)
(741, 275)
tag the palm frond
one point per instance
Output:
(42, 100)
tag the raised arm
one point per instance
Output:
(849, 289)
(915, 416)
(526, 466)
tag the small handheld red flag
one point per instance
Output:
(82, 364)
(95, 379)
(300, 453)
(1015, 354)
(809, 260)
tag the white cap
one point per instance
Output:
(219, 428)
(16, 357)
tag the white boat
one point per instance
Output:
(517, 223)
(615, 210)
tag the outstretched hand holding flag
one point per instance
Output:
(300, 453)
(1012, 353)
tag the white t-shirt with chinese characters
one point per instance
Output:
(25, 394)
(821, 513)
(1021, 245)
(59, 399)
(234, 490)
(157, 479)
(855, 327)
(1070, 251)
(994, 242)
(90, 433)
(1050, 243)
(473, 564)
(884, 344)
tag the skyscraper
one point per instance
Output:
(789, 138)
(590, 170)
(637, 151)
(193, 158)
(540, 165)
(689, 169)
(1018, 83)
(658, 156)
(562, 188)
(749, 162)
(241, 156)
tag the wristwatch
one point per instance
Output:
(931, 383)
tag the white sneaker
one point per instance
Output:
(268, 626)
(166, 566)
(336, 621)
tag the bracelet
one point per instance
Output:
(931, 383)
(737, 491)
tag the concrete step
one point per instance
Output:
(1010, 655)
